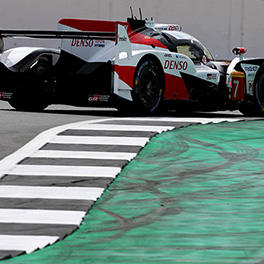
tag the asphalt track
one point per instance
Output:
(134, 217)
(18, 128)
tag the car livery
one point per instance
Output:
(136, 65)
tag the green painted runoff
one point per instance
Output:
(192, 195)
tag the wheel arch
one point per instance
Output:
(21, 58)
(27, 62)
(147, 99)
(258, 75)
(156, 60)
(254, 105)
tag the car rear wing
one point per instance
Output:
(47, 34)
(79, 37)
(68, 29)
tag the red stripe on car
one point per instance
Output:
(175, 88)
(126, 74)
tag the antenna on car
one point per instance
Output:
(131, 10)
(140, 13)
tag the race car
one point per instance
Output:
(137, 66)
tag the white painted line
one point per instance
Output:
(128, 141)
(106, 127)
(67, 171)
(35, 192)
(26, 216)
(184, 119)
(83, 155)
(25, 243)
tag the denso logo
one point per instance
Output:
(82, 43)
(175, 65)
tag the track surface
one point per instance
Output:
(48, 186)
(18, 128)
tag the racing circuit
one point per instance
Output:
(127, 140)
(170, 203)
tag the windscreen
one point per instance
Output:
(185, 44)
(194, 50)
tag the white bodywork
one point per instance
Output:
(173, 63)
(250, 74)
(250, 71)
(12, 56)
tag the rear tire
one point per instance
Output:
(148, 87)
(34, 96)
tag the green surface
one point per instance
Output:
(192, 195)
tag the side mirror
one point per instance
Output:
(240, 51)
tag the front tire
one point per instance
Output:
(148, 87)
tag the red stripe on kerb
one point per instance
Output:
(89, 25)
(175, 88)
(126, 74)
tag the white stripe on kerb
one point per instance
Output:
(27, 216)
(35, 192)
(25, 243)
(134, 141)
(106, 127)
(83, 155)
(67, 171)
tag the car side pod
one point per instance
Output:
(240, 51)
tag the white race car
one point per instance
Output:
(136, 65)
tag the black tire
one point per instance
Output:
(148, 87)
(34, 96)
(255, 106)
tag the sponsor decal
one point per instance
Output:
(5, 95)
(82, 43)
(162, 28)
(174, 27)
(211, 76)
(168, 27)
(99, 43)
(99, 98)
(122, 39)
(175, 65)
(250, 87)
(167, 55)
(251, 68)
(180, 56)
(87, 43)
